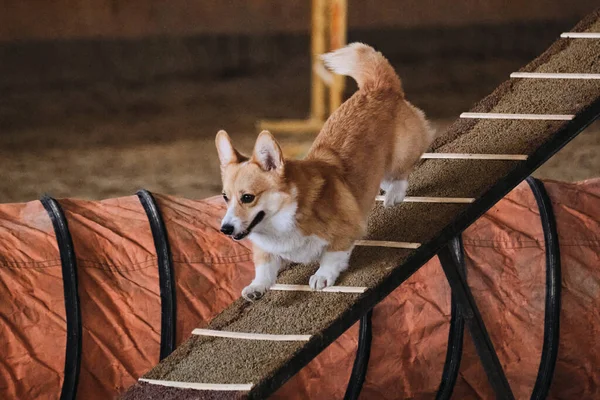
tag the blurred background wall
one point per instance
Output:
(76, 19)
(101, 97)
(74, 40)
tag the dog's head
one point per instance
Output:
(253, 187)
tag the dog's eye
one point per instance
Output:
(247, 198)
(225, 197)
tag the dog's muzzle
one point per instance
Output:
(228, 229)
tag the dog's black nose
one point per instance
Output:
(227, 229)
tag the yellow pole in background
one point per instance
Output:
(337, 39)
(318, 47)
(328, 19)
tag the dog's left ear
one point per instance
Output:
(267, 153)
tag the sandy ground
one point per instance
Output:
(106, 140)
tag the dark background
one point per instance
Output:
(99, 98)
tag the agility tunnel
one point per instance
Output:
(137, 302)
(96, 293)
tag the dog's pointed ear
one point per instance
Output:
(267, 153)
(227, 154)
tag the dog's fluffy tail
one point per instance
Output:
(369, 68)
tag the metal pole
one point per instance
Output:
(466, 304)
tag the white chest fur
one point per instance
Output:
(291, 245)
(280, 235)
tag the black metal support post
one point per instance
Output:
(468, 307)
(455, 333)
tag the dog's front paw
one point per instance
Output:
(320, 281)
(254, 292)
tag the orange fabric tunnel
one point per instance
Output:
(95, 292)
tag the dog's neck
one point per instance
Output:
(281, 223)
(281, 235)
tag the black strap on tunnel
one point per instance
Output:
(72, 307)
(553, 286)
(165, 273)
(361, 362)
(455, 333)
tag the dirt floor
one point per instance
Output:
(107, 140)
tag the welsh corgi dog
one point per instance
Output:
(314, 209)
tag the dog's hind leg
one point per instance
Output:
(395, 191)
(332, 264)
(413, 137)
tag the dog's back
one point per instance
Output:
(359, 137)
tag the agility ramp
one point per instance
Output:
(251, 349)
